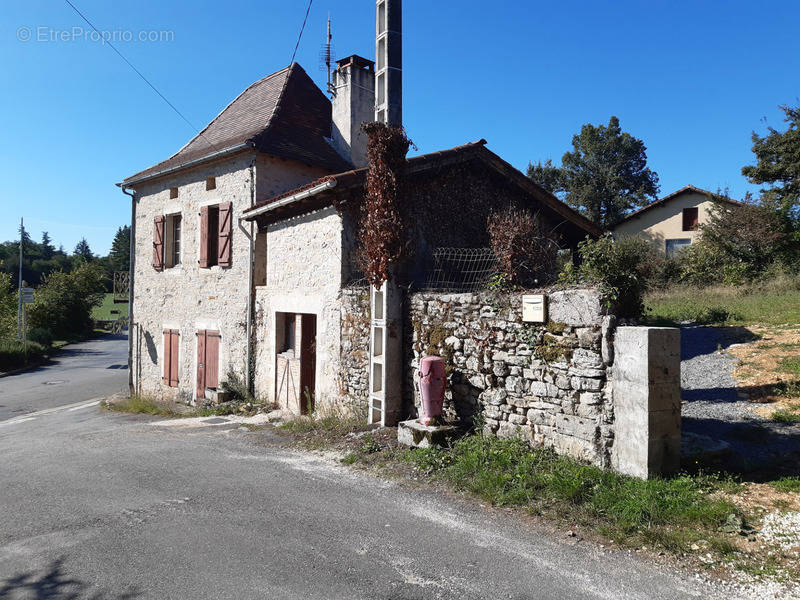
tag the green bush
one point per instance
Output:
(64, 302)
(42, 336)
(15, 354)
(620, 267)
(8, 307)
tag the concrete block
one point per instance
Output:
(413, 433)
(646, 398)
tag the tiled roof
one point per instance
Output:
(684, 190)
(357, 177)
(284, 114)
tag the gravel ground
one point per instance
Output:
(712, 406)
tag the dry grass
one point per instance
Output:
(768, 371)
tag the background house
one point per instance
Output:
(672, 222)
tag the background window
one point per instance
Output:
(690, 221)
(675, 246)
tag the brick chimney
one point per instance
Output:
(353, 104)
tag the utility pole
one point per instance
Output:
(19, 287)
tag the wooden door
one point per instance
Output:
(308, 361)
(207, 361)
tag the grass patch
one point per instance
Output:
(787, 484)
(790, 364)
(105, 311)
(668, 513)
(16, 354)
(786, 415)
(718, 305)
(332, 425)
(145, 405)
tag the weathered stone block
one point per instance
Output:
(413, 433)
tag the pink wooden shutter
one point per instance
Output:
(167, 356)
(225, 229)
(158, 243)
(201, 367)
(212, 358)
(203, 236)
(173, 370)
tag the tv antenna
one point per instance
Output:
(326, 58)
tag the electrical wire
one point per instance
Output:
(308, 10)
(139, 73)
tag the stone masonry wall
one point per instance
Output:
(546, 382)
(189, 298)
(304, 268)
(354, 359)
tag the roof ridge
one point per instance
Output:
(271, 120)
(227, 106)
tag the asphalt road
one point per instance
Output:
(79, 372)
(106, 505)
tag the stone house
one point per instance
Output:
(244, 241)
(672, 222)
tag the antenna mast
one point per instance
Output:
(327, 57)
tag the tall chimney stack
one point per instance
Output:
(353, 104)
(389, 62)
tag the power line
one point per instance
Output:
(308, 10)
(139, 73)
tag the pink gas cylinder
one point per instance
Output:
(431, 386)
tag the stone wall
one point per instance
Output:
(354, 358)
(304, 271)
(545, 382)
(186, 297)
(189, 298)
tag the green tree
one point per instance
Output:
(778, 165)
(606, 174)
(547, 175)
(121, 249)
(83, 251)
(47, 248)
(63, 303)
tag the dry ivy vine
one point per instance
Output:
(384, 228)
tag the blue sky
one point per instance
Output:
(692, 79)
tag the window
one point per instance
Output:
(215, 235)
(289, 332)
(690, 221)
(675, 246)
(171, 345)
(172, 243)
(211, 183)
(173, 193)
(260, 267)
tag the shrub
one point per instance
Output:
(42, 336)
(8, 307)
(620, 267)
(64, 301)
(236, 386)
(526, 254)
(15, 354)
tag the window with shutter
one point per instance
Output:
(171, 351)
(158, 243)
(209, 236)
(690, 219)
(225, 231)
(204, 237)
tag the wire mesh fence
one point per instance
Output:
(461, 269)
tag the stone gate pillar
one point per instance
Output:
(647, 401)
